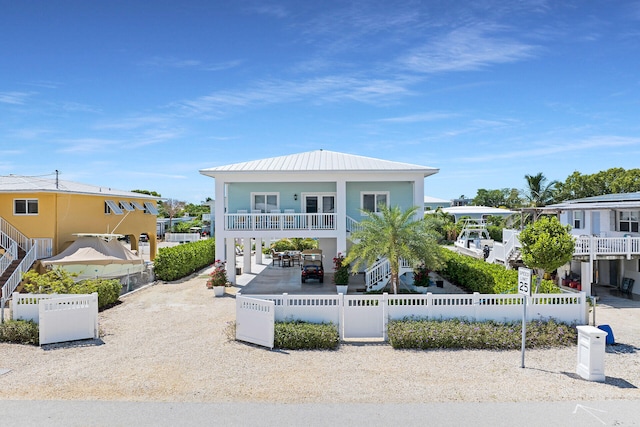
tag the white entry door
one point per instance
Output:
(322, 205)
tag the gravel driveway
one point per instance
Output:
(168, 343)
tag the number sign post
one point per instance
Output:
(524, 288)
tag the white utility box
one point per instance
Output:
(591, 350)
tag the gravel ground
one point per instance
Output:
(169, 342)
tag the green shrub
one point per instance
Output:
(299, 335)
(476, 275)
(412, 333)
(179, 261)
(59, 281)
(20, 331)
(108, 290)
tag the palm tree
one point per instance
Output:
(395, 235)
(539, 193)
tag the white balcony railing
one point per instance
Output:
(619, 246)
(279, 221)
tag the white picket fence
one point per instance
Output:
(60, 317)
(366, 316)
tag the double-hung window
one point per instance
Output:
(25, 207)
(628, 221)
(265, 202)
(371, 201)
(578, 219)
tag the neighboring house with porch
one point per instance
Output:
(39, 217)
(607, 232)
(317, 194)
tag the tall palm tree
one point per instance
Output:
(395, 235)
(538, 192)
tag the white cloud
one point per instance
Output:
(545, 149)
(465, 49)
(14, 98)
(421, 117)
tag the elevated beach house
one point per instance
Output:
(607, 232)
(317, 194)
(40, 217)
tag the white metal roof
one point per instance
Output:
(605, 201)
(429, 199)
(320, 160)
(30, 184)
(484, 210)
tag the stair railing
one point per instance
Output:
(15, 278)
(14, 234)
(10, 255)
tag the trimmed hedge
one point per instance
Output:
(179, 261)
(60, 281)
(20, 332)
(108, 290)
(299, 335)
(476, 275)
(461, 334)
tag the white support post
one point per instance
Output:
(246, 263)
(341, 216)
(231, 260)
(258, 250)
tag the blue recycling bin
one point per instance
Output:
(610, 340)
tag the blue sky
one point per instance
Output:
(142, 94)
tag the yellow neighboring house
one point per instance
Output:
(44, 214)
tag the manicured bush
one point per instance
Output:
(59, 281)
(108, 290)
(179, 261)
(299, 335)
(476, 275)
(20, 331)
(461, 334)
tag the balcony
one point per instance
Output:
(279, 221)
(607, 246)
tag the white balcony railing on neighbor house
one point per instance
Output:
(280, 221)
(617, 246)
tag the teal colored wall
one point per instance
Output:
(400, 194)
(239, 193)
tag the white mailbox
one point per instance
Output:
(591, 350)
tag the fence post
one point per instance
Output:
(476, 305)
(341, 316)
(385, 319)
(429, 305)
(94, 303)
(285, 304)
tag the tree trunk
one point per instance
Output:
(539, 276)
(394, 282)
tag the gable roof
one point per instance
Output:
(320, 161)
(31, 184)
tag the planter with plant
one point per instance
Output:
(218, 279)
(421, 277)
(341, 274)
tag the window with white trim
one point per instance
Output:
(371, 201)
(578, 219)
(264, 202)
(25, 206)
(628, 221)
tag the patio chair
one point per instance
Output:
(276, 257)
(296, 256)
